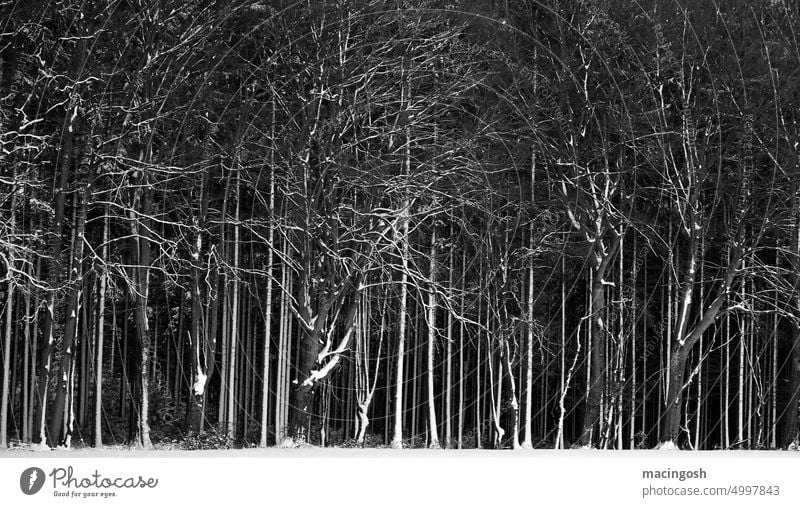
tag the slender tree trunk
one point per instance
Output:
(27, 387)
(225, 323)
(434, 433)
(513, 404)
(414, 374)
(6, 361)
(726, 440)
(98, 384)
(527, 443)
(740, 392)
(774, 371)
(700, 398)
(234, 321)
(281, 408)
(478, 365)
(397, 437)
(495, 397)
(634, 319)
(10, 287)
(31, 413)
(563, 376)
(124, 366)
(461, 378)
(268, 306)
(448, 382)
(86, 340)
(368, 381)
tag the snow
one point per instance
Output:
(199, 384)
(39, 447)
(341, 452)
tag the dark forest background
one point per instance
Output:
(434, 223)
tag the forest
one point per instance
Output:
(447, 224)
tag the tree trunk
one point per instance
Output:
(199, 333)
(434, 433)
(10, 287)
(448, 381)
(269, 268)
(527, 443)
(6, 360)
(461, 378)
(140, 243)
(281, 398)
(98, 384)
(397, 437)
(231, 367)
(513, 404)
(680, 351)
(597, 358)
(790, 422)
(70, 329)
(790, 432)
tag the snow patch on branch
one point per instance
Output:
(199, 386)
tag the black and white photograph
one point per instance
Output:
(360, 252)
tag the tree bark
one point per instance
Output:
(140, 247)
(672, 413)
(432, 425)
(98, 384)
(597, 353)
(57, 437)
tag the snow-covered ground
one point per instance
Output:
(339, 452)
